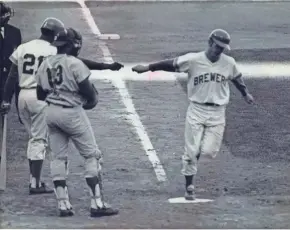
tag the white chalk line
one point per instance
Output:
(127, 100)
(262, 70)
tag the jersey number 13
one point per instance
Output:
(55, 76)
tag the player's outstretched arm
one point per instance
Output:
(241, 86)
(165, 65)
(92, 65)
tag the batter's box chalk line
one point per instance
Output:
(182, 200)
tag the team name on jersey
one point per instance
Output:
(207, 77)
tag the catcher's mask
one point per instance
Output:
(6, 13)
(70, 38)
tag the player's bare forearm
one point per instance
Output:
(165, 65)
(92, 65)
(11, 81)
(240, 85)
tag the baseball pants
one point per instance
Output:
(204, 129)
(71, 123)
(32, 114)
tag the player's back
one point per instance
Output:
(29, 57)
(60, 74)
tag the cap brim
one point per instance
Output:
(221, 44)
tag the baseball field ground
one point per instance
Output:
(139, 124)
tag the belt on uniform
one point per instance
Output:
(208, 104)
(63, 106)
(28, 88)
(211, 104)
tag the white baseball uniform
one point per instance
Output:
(66, 118)
(205, 123)
(28, 57)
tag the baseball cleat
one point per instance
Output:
(189, 193)
(104, 211)
(65, 212)
(40, 190)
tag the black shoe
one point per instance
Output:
(65, 213)
(40, 190)
(105, 211)
(70, 212)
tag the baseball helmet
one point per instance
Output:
(6, 13)
(69, 36)
(221, 38)
(52, 26)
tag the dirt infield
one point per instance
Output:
(249, 180)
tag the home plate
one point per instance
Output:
(182, 200)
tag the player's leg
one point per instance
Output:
(25, 118)
(212, 140)
(193, 136)
(58, 142)
(214, 132)
(85, 142)
(38, 143)
(25, 100)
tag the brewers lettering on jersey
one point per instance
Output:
(209, 73)
(207, 81)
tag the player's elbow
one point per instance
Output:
(88, 91)
(90, 105)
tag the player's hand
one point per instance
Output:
(116, 66)
(5, 107)
(140, 68)
(249, 98)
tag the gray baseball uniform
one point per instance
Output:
(204, 125)
(66, 119)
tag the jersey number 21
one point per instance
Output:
(29, 64)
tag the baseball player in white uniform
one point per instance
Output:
(63, 82)
(209, 73)
(26, 59)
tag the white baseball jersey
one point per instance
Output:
(207, 81)
(28, 57)
(60, 74)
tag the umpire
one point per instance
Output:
(10, 39)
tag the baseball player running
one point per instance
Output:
(63, 82)
(26, 60)
(208, 92)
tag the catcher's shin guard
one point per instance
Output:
(64, 205)
(98, 206)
